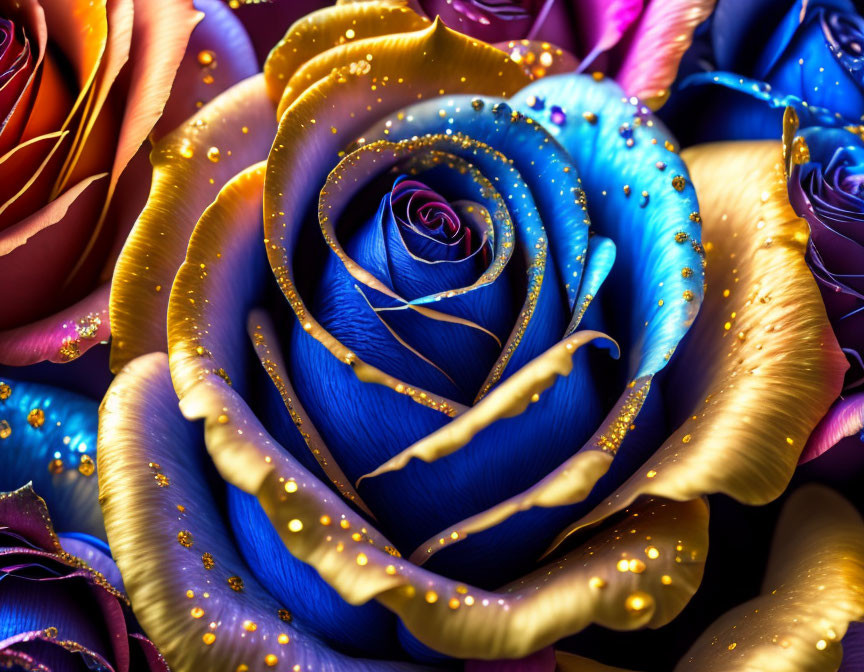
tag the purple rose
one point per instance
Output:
(59, 606)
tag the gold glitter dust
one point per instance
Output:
(184, 538)
(291, 486)
(214, 154)
(236, 583)
(596, 582)
(271, 660)
(283, 638)
(666, 580)
(678, 183)
(284, 615)
(431, 597)
(5, 391)
(5, 429)
(295, 525)
(206, 57)
(55, 466)
(250, 626)
(196, 612)
(50, 632)
(208, 561)
(208, 638)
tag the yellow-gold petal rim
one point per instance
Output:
(190, 166)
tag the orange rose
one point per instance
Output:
(82, 84)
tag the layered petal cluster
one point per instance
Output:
(59, 605)
(424, 307)
(83, 84)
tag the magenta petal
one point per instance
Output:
(845, 418)
(542, 661)
(60, 337)
(603, 23)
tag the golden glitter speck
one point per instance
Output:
(50, 632)
(666, 580)
(271, 660)
(86, 467)
(208, 561)
(208, 638)
(283, 638)
(284, 615)
(184, 538)
(196, 612)
(678, 183)
(290, 486)
(596, 582)
(236, 583)
(295, 525)
(638, 602)
(431, 597)
(362, 560)
(5, 391)
(206, 57)
(56, 466)
(214, 154)
(5, 429)
(36, 418)
(250, 626)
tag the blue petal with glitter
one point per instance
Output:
(49, 452)
(316, 607)
(640, 196)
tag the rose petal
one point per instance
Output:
(219, 55)
(157, 40)
(846, 418)
(768, 339)
(61, 337)
(185, 181)
(570, 662)
(328, 29)
(810, 594)
(140, 429)
(653, 52)
(36, 250)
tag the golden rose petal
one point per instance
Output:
(761, 365)
(811, 592)
(332, 28)
(570, 662)
(185, 181)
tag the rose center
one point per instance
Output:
(430, 227)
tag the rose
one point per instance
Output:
(83, 85)
(485, 167)
(60, 605)
(812, 60)
(638, 43)
(825, 188)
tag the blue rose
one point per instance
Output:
(753, 58)
(386, 312)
